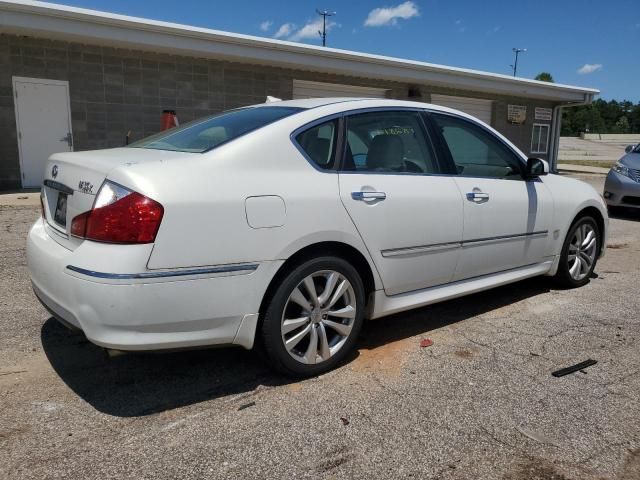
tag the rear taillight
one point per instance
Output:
(119, 215)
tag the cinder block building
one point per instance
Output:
(78, 79)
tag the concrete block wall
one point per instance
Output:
(114, 91)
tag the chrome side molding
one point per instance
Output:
(438, 247)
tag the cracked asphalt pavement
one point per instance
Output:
(479, 403)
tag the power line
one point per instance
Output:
(323, 34)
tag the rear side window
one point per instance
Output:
(205, 134)
(475, 151)
(319, 143)
(388, 142)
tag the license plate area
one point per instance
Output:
(60, 213)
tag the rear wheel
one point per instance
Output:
(313, 319)
(579, 253)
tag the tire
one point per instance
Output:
(570, 274)
(614, 210)
(284, 317)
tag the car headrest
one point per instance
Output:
(385, 152)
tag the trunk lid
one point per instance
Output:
(72, 181)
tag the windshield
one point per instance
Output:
(637, 149)
(206, 133)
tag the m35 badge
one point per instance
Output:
(85, 187)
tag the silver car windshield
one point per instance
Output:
(204, 134)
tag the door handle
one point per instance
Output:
(474, 196)
(368, 196)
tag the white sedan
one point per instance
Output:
(289, 224)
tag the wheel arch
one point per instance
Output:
(334, 248)
(597, 215)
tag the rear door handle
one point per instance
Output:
(368, 196)
(473, 196)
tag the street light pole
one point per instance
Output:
(515, 63)
(323, 34)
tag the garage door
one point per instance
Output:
(477, 107)
(305, 89)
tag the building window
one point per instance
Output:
(540, 138)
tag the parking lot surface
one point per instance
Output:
(479, 403)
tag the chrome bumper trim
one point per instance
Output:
(250, 267)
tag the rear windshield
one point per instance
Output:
(206, 133)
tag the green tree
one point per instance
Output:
(622, 125)
(544, 77)
(602, 116)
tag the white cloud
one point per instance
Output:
(589, 68)
(310, 30)
(390, 15)
(266, 25)
(284, 30)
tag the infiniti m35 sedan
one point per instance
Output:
(287, 225)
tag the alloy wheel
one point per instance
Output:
(318, 317)
(582, 251)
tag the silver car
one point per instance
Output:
(622, 187)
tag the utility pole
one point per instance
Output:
(323, 34)
(515, 63)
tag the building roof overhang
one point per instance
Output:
(43, 19)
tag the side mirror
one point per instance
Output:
(629, 148)
(536, 167)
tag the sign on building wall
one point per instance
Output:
(544, 114)
(516, 114)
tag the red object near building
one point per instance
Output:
(168, 120)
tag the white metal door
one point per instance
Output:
(507, 225)
(413, 233)
(478, 107)
(506, 219)
(409, 216)
(306, 89)
(43, 121)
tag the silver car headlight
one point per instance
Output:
(621, 169)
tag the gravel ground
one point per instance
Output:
(479, 403)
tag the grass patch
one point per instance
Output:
(589, 163)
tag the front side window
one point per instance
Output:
(319, 143)
(387, 141)
(539, 138)
(206, 133)
(475, 151)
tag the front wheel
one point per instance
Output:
(313, 319)
(579, 253)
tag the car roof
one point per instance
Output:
(349, 103)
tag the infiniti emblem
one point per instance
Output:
(54, 171)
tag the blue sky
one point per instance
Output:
(580, 42)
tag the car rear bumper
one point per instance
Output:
(148, 310)
(621, 191)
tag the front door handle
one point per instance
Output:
(477, 196)
(368, 196)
